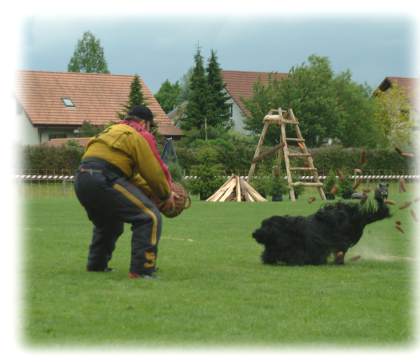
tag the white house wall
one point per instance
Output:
(238, 118)
(29, 134)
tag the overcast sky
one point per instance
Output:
(160, 48)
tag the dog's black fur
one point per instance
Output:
(310, 240)
(383, 190)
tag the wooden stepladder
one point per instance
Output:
(291, 149)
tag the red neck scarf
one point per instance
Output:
(135, 125)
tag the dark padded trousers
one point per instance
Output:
(110, 201)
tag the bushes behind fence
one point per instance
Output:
(383, 161)
(234, 158)
(43, 159)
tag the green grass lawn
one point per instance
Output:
(213, 289)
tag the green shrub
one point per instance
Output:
(330, 181)
(208, 173)
(176, 172)
(377, 160)
(233, 152)
(345, 187)
(87, 129)
(299, 189)
(45, 159)
(262, 184)
(278, 186)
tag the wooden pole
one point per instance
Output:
(287, 164)
(257, 151)
(238, 189)
(219, 191)
(268, 153)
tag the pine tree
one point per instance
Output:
(218, 110)
(88, 56)
(135, 97)
(196, 110)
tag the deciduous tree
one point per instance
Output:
(168, 95)
(392, 117)
(88, 56)
(326, 105)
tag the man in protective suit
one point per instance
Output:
(119, 173)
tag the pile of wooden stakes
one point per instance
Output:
(236, 189)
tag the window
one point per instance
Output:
(68, 102)
(57, 135)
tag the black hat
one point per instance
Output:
(142, 112)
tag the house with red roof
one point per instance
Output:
(54, 105)
(239, 85)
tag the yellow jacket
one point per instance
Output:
(133, 154)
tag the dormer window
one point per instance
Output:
(68, 102)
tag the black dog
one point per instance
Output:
(383, 190)
(311, 240)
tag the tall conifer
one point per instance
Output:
(135, 97)
(196, 110)
(218, 110)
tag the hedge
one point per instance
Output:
(53, 160)
(235, 159)
(382, 161)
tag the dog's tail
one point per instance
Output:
(376, 213)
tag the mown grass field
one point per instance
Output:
(213, 290)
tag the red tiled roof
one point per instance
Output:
(239, 84)
(408, 85)
(97, 97)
